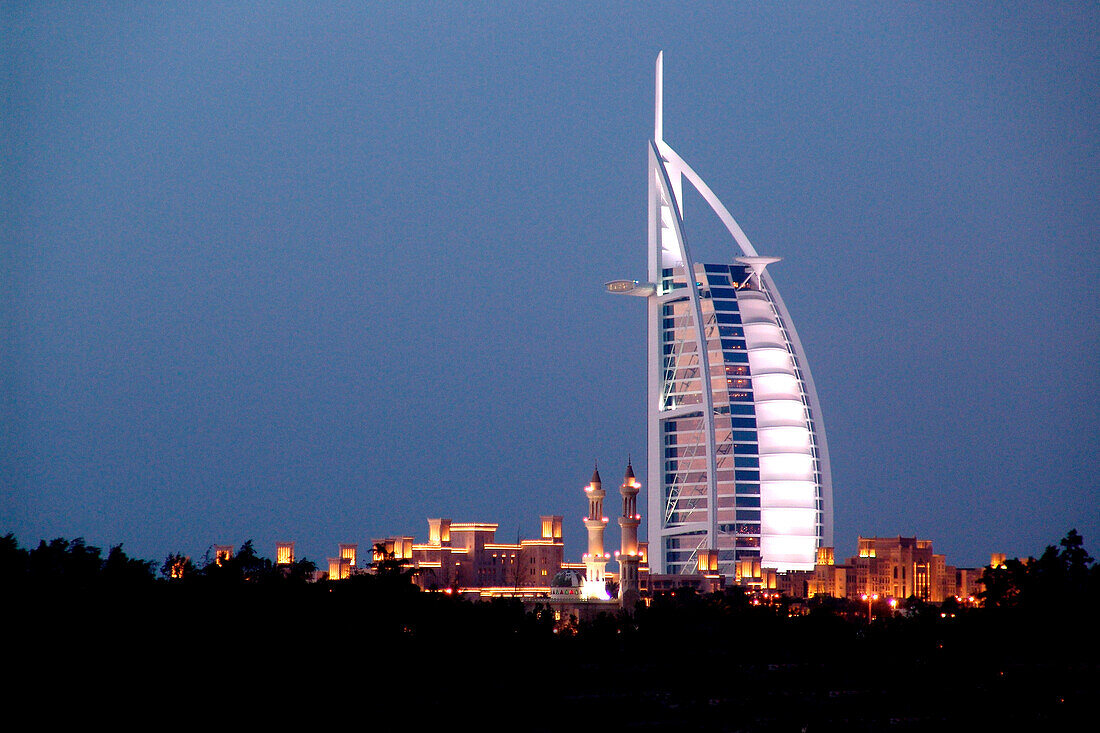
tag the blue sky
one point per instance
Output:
(284, 271)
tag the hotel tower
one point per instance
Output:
(737, 456)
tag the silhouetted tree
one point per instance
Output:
(250, 564)
(13, 560)
(387, 565)
(244, 567)
(300, 571)
(62, 563)
(1076, 562)
(121, 570)
(1057, 577)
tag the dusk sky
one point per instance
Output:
(317, 272)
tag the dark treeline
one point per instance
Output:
(65, 565)
(1026, 657)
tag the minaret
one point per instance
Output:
(629, 554)
(595, 560)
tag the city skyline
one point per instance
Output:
(317, 276)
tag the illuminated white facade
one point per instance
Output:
(737, 456)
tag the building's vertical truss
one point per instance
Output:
(656, 494)
(691, 497)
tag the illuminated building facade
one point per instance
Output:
(898, 567)
(338, 568)
(349, 552)
(284, 553)
(223, 553)
(886, 567)
(466, 557)
(344, 564)
(178, 568)
(737, 457)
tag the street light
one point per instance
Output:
(870, 599)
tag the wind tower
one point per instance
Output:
(595, 560)
(629, 554)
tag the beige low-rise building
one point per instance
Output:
(887, 567)
(466, 557)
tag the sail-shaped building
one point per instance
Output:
(737, 455)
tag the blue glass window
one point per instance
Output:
(748, 475)
(725, 293)
(748, 515)
(747, 462)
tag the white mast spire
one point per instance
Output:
(658, 107)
